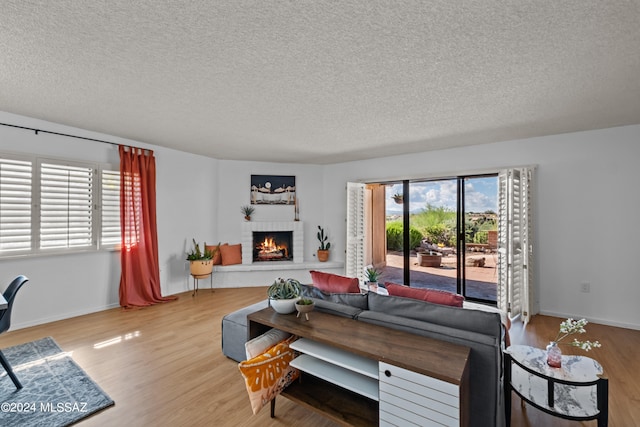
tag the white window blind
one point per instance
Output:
(55, 205)
(355, 230)
(66, 206)
(110, 235)
(515, 244)
(15, 205)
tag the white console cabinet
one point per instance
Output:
(411, 399)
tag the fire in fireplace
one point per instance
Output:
(272, 246)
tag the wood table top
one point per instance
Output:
(428, 356)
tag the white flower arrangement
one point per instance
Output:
(570, 327)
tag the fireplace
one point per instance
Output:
(296, 244)
(272, 246)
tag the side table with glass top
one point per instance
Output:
(575, 391)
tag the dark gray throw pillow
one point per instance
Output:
(354, 300)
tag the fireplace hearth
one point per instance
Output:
(272, 246)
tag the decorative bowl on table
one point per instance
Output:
(283, 306)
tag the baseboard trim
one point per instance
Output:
(592, 320)
(62, 316)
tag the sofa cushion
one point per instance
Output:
(470, 320)
(336, 308)
(234, 330)
(215, 249)
(354, 300)
(268, 374)
(329, 282)
(258, 345)
(231, 254)
(435, 296)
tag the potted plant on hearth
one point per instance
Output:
(247, 211)
(201, 262)
(323, 250)
(283, 295)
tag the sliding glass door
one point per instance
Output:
(442, 234)
(480, 266)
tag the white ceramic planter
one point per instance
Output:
(284, 306)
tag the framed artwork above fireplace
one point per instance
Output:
(273, 190)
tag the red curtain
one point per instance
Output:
(140, 277)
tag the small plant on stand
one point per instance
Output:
(304, 306)
(200, 262)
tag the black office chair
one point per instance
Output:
(5, 321)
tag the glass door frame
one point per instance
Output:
(460, 229)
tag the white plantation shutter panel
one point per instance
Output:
(66, 206)
(15, 205)
(110, 235)
(514, 243)
(355, 230)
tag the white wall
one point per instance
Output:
(63, 286)
(234, 191)
(586, 211)
(586, 208)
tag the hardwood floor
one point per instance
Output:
(163, 365)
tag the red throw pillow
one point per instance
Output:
(217, 258)
(333, 283)
(231, 254)
(435, 296)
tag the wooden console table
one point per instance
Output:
(360, 374)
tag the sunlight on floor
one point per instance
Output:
(116, 340)
(42, 360)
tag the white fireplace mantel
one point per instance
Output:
(249, 227)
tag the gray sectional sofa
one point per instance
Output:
(482, 331)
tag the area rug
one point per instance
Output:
(56, 391)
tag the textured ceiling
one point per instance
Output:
(322, 81)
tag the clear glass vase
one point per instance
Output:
(554, 355)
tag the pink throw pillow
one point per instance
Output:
(333, 283)
(435, 296)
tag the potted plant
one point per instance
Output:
(372, 278)
(247, 211)
(304, 306)
(200, 262)
(398, 198)
(323, 250)
(283, 294)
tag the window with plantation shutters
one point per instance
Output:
(66, 206)
(15, 205)
(53, 205)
